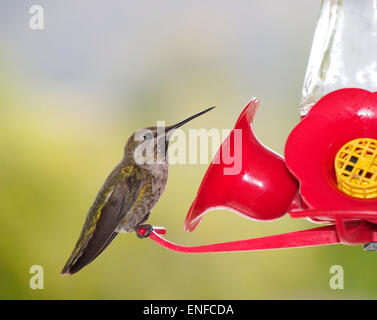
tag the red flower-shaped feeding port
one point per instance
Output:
(338, 118)
(262, 176)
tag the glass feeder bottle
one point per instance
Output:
(344, 50)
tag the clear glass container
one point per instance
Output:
(344, 50)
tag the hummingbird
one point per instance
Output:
(128, 195)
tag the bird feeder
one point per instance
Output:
(329, 171)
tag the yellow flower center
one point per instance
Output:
(356, 168)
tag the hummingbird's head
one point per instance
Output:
(149, 145)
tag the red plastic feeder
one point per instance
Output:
(266, 187)
(329, 174)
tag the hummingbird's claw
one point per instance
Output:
(143, 231)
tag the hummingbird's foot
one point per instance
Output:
(143, 231)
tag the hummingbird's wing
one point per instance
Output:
(112, 203)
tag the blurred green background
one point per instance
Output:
(71, 95)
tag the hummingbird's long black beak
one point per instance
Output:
(169, 130)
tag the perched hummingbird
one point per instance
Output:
(129, 193)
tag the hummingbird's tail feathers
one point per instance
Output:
(106, 245)
(86, 258)
(99, 229)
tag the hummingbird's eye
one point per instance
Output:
(148, 136)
